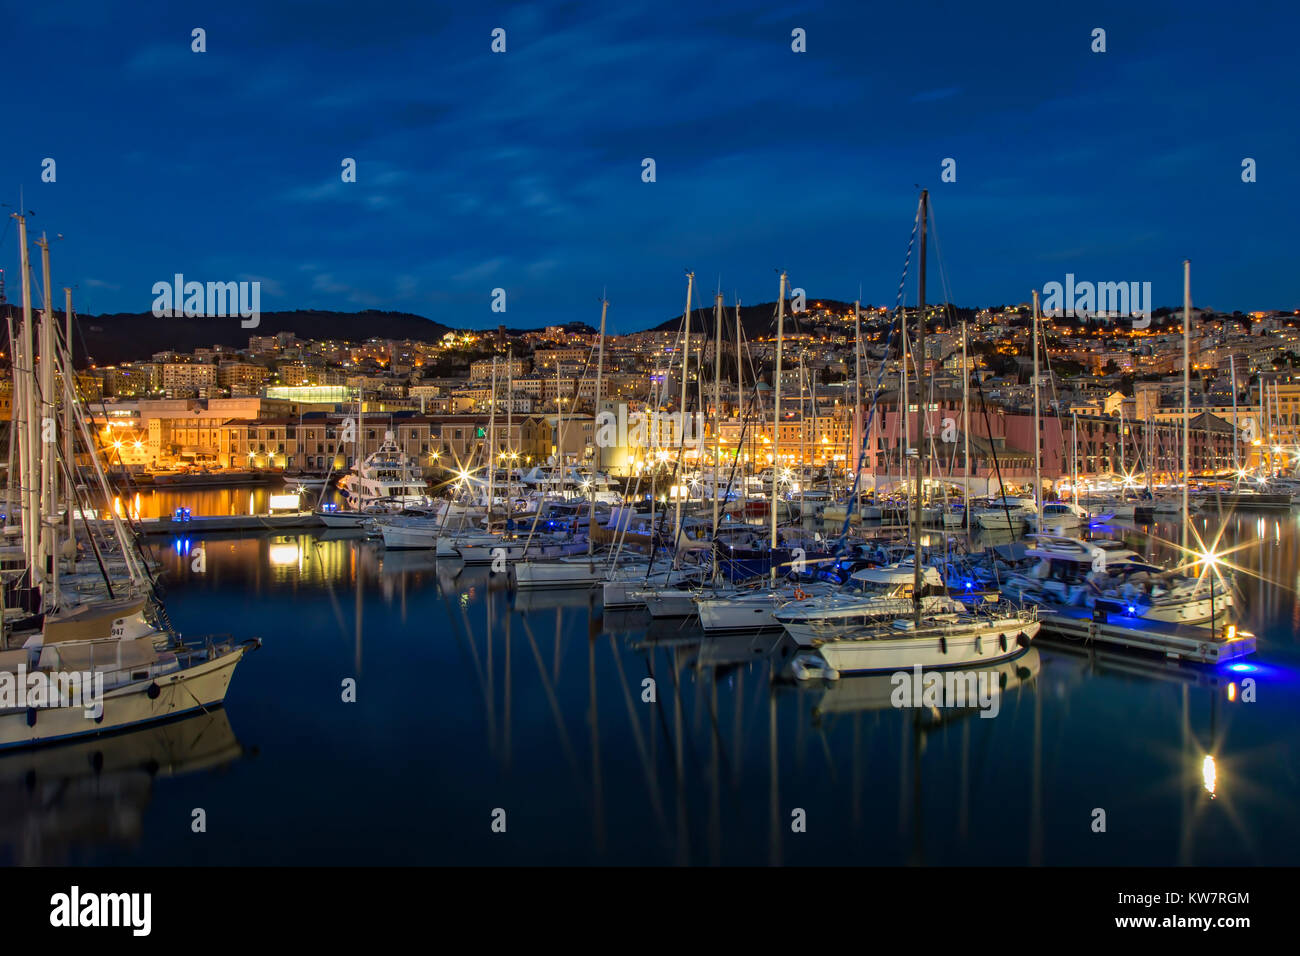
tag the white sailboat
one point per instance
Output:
(73, 666)
(987, 633)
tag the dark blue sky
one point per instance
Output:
(523, 170)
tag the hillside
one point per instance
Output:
(110, 339)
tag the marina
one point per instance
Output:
(534, 700)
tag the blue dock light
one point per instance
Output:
(1132, 609)
(181, 514)
(1243, 668)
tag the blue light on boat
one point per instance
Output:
(1243, 668)
(1131, 609)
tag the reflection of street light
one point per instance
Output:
(1209, 775)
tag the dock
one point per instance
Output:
(197, 525)
(1201, 645)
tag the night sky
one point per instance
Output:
(523, 170)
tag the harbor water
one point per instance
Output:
(476, 705)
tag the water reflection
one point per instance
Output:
(57, 803)
(609, 737)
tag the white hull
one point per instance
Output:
(343, 519)
(998, 521)
(827, 622)
(626, 586)
(181, 691)
(663, 603)
(515, 550)
(961, 647)
(574, 574)
(409, 536)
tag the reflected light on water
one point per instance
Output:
(1209, 775)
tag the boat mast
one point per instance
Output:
(776, 418)
(1187, 398)
(856, 454)
(67, 411)
(717, 407)
(46, 516)
(595, 404)
(1074, 457)
(510, 424)
(803, 416)
(965, 427)
(1038, 441)
(920, 412)
(491, 456)
(23, 372)
(1236, 456)
(681, 422)
(743, 485)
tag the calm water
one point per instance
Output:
(472, 698)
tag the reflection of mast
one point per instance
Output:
(1184, 804)
(597, 785)
(683, 830)
(918, 742)
(647, 764)
(357, 575)
(773, 778)
(1036, 797)
(505, 755)
(715, 773)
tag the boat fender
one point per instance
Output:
(153, 691)
(943, 644)
(979, 645)
(1002, 680)
(1022, 639)
(31, 716)
(1002, 641)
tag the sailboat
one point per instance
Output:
(72, 664)
(987, 632)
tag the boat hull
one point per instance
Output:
(975, 648)
(200, 686)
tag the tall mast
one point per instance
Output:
(717, 406)
(510, 424)
(491, 456)
(803, 435)
(740, 412)
(23, 413)
(681, 425)
(1074, 456)
(1232, 371)
(965, 426)
(776, 417)
(922, 445)
(67, 411)
(856, 456)
(1122, 469)
(595, 404)
(48, 526)
(1038, 442)
(1187, 397)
